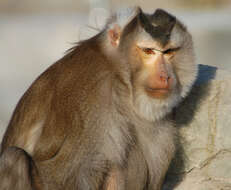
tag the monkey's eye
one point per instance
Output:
(148, 51)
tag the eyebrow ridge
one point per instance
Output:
(173, 49)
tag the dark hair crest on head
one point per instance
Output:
(159, 25)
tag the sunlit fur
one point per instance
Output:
(29, 140)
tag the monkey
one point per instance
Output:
(98, 117)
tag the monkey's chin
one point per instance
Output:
(158, 93)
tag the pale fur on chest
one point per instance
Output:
(157, 144)
(154, 137)
(154, 140)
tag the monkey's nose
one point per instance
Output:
(164, 77)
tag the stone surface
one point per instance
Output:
(203, 161)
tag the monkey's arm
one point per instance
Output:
(34, 123)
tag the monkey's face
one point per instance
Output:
(159, 50)
(157, 64)
(163, 65)
(156, 70)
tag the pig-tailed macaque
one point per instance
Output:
(96, 119)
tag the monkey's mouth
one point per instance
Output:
(159, 93)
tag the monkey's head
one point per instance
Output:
(157, 51)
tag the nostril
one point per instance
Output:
(164, 78)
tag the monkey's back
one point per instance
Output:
(51, 111)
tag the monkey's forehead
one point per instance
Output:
(159, 25)
(160, 41)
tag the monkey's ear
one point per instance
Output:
(118, 22)
(114, 35)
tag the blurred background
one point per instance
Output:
(34, 34)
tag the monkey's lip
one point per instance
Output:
(158, 92)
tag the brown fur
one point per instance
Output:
(77, 127)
